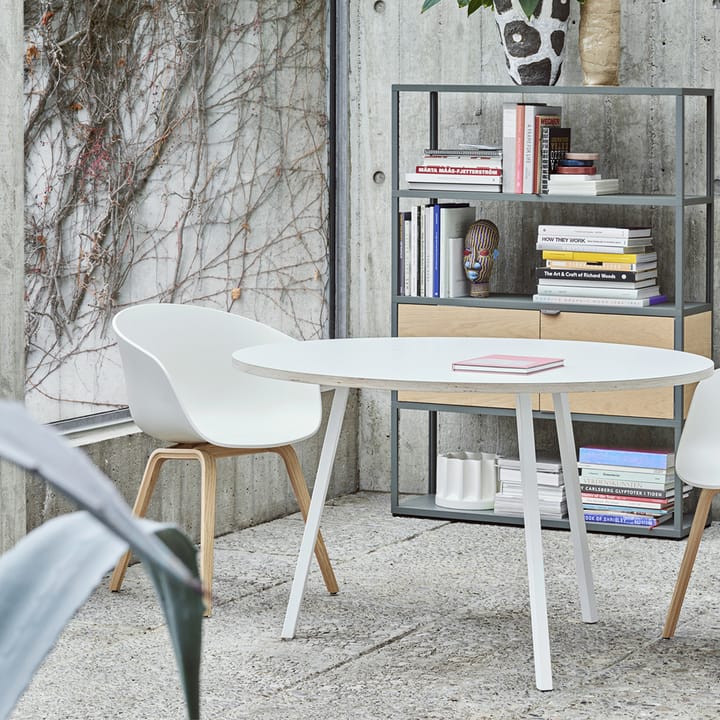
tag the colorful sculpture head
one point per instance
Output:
(481, 243)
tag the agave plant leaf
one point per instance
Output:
(39, 449)
(50, 573)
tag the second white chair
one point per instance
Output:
(182, 389)
(697, 463)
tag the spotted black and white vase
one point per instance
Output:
(534, 47)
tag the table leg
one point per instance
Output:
(317, 502)
(578, 533)
(533, 543)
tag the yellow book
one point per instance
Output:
(599, 257)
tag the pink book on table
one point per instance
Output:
(507, 363)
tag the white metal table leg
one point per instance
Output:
(317, 503)
(578, 533)
(533, 543)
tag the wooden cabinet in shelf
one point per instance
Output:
(449, 321)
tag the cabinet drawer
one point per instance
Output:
(449, 321)
(629, 330)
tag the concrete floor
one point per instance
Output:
(431, 621)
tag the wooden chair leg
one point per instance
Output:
(147, 486)
(691, 549)
(302, 495)
(208, 482)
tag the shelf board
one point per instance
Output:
(541, 414)
(424, 506)
(554, 90)
(619, 199)
(525, 302)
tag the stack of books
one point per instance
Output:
(474, 167)
(589, 265)
(533, 141)
(551, 488)
(576, 174)
(431, 249)
(627, 487)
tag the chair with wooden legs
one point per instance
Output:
(697, 463)
(182, 389)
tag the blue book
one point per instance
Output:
(628, 519)
(449, 219)
(659, 459)
(436, 252)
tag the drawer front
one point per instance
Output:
(629, 330)
(449, 321)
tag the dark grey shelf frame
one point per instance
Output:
(424, 505)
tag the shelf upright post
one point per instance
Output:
(433, 124)
(395, 176)
(395, 179)
(394, 459)
(679, 260)
(710, 206)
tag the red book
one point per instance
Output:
(648, 501)
(458, 170)
(519, 146)
(572, 170)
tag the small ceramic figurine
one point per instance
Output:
(481, 243)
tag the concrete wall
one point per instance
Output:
(12, 371)
(663, 44)
(250, 490)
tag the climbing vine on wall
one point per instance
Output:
(175, 152)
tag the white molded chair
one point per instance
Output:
(183, 389)
(697, 463)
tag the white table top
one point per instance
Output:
(424, 364)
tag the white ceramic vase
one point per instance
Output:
(466, 480)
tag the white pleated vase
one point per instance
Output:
(466, 480)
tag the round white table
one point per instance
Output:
(425, 364)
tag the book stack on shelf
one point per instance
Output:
(533, 142)
(551, 488)
(588, 265)
(627, 487)
(576, 174)
(477, 168)
(430, 250)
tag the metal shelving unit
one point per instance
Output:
(678, 201)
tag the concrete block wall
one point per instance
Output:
(12, 480)
(250, 490)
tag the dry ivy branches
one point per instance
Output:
(174, 152)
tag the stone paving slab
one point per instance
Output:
(432, 621)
